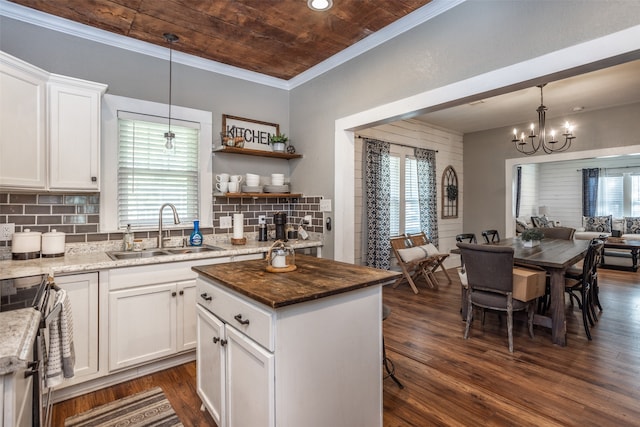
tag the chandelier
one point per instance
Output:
(169, 136)
(527, 144)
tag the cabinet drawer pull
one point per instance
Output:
(242, 321)
(206, 297)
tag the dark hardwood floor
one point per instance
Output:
(452, 381)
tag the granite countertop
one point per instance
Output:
(92, 258)
(19, 329)
(314, 278)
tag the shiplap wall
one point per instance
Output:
(560, 186)
(419, 134)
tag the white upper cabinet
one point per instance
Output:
(49, 129)
(22, 124)
(74, 133)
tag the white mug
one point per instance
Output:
(279, 260)
(234, 186)
(222, 177)
(236, 178)
(222, 187)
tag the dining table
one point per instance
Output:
(555, 256)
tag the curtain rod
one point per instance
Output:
(395, 143)
(611, 167)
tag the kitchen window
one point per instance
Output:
(405, 206)
(144, 174)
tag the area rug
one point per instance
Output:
(149, 408)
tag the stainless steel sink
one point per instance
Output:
(194, 249)
(146, 253)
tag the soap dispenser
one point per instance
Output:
(127, 241)
(196, 236)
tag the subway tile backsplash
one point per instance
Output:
(78, 215)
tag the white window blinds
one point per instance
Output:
(411, 201)
(149, 175)
(405, 206)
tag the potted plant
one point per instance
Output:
(531, 237)
(278, 142)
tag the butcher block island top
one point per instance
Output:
(314, 278)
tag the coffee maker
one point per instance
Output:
(280, 221)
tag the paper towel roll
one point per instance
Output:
(238, 226)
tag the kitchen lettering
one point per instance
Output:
(249, 135)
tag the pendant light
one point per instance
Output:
(170, 136)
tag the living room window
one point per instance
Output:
(619, 194)
(405, 206)
(140, 174)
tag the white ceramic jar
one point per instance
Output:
(26, 244)
(53, 244)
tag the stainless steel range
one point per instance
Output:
(32, 292)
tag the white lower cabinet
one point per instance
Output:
(235, 375)
(16, 398)
(150, 322)
(83, 293)
(311, 364)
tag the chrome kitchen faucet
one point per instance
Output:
(176, 220)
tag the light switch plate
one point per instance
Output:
(6, 231)
(225, 222)
(325, 205)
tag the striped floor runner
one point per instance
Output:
(149, 408)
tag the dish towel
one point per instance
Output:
(61, 352)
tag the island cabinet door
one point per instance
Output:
(250, 382)
(211, 364)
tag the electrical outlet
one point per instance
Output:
(325, 205)
(6, 231)
(225, 222)
(262, 219)
(306, 219)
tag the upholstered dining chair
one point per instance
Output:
(582, 286)
(564, 233)
(491, 236)
(490, 284)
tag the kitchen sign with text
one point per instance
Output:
(254, 132)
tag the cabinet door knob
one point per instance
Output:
(223, 342)
(206, 297)
(216, 339)
(242, 321)
(181, 292)
(173, 294)
(94, 179)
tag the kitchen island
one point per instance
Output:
(291, 349)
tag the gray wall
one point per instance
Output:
(485, 154)
(496, 34)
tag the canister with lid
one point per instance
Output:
(53, 244)
(25, 245)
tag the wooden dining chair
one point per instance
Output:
(491, 236)
(581, 287)
(490, 284)
(563, 233)
(466, 238)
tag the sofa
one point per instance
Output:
(627, 228)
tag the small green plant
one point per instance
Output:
(532, 234)
(282, 138)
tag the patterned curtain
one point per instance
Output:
(590, 191)
(427, 193)
(378, 201)
(518, 189)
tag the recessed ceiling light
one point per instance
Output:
(575, 109)
(320, 5)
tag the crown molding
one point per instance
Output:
(66, 26)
